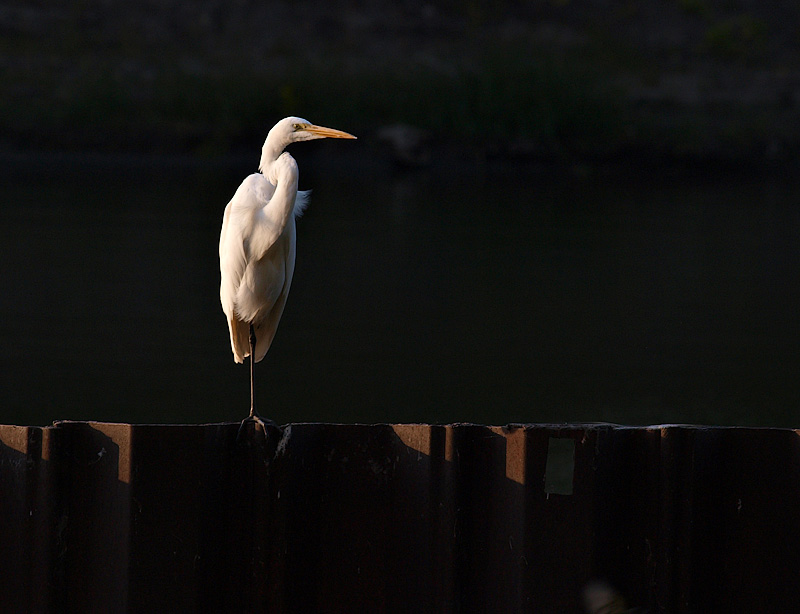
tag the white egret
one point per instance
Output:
(257, 244)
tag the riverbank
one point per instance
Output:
(686, 82)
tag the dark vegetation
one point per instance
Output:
(684, 79)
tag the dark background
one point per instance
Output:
(555, 211)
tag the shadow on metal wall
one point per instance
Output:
(100, 517)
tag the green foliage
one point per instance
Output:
(736, 38)
(515, 95)
(695, 7)
(503, 95)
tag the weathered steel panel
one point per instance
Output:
(30, 524)
(99, 517)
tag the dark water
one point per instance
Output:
(505, 296)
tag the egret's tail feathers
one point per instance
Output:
(240, 339)
(265, 332)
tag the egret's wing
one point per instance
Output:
(224, 232)
(232, 258)
(284, 257)
(254, 192)
(239, 224)
(232, 263)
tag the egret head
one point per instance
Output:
(291, 130)
(294, 129)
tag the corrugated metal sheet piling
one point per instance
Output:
(99, 517)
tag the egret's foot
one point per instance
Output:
(259, 421)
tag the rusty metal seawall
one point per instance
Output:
(99, 517)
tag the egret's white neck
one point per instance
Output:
(272, 148)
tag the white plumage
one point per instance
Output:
(258, 240)
(257, 255)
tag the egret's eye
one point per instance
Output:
(297, 127)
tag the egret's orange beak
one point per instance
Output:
(328, 133)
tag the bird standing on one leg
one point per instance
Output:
(257, 244)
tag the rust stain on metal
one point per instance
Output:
(98, 517)
(415, 436)
(515, 453)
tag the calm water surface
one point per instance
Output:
(507, 296)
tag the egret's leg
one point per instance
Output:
(253, 417)
(253, 413)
